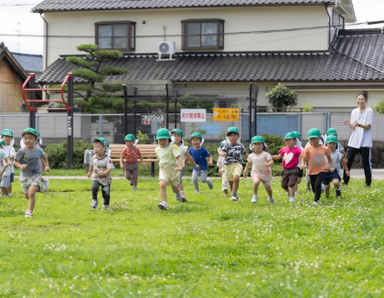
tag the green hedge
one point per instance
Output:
(57, 154)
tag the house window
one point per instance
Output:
(207, 34)
(118, 36)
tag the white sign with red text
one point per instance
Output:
(193, 115)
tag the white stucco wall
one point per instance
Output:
(319, 99)
(79, 28)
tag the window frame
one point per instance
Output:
(220, 35)
(130, 38)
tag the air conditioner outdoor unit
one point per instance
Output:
(166, 48)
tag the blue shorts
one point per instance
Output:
(329, 177)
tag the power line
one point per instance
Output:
(180, 35)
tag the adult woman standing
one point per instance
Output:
(360, 140)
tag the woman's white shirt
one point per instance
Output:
(361, 137)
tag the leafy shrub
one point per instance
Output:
(281, 98)
(275, 143)
(57, 154)
(379, 108)
(143, 138)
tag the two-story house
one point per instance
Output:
(221, 44)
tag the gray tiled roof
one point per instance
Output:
(71, 5)
(30, 62)
(354, 57)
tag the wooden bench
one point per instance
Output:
(147, 153)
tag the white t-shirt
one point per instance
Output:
(336, 157)
(9, 150)
(258, 167)
(361, 137)
(183, 149)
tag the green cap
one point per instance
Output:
(178, 131)
(297, 134)
(290, 135)
(332, 139)
(196, 135)
(129, 137)
(257, 139)
(162, 133)
(102, 141)
(2, 143)
(31, 131)
(233, 129)
(331, 131)
(7, 132)
(314, 133)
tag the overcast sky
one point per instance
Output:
(16, 19)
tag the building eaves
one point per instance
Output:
(75, 5)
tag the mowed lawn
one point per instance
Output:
(207, 247)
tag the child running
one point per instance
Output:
(261, 162)
(185, 156)
(128, 160)
(337, 158)
(233, 153)
(315, 155)
(290, 155)
(170, 165)
(7, 136)
(100, 172)
(5, 173)
(220, 165)
(28, 161)
(199, 155)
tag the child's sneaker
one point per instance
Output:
(234, 198)
(163, 206)
(271, 200)
(94, 204)
(105, 207)
(291, 199)
(196, 191)
(254, 199)
(315, 203)
(178, 197)
(210, 185)
(28, 213)
(338, 193)
(134, 188)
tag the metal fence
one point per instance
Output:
(53, 126)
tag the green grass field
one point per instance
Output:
(207, 247)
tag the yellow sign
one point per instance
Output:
(224, 114)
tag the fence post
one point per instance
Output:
(32, 95)
(100, 125)
(134, 110)
(167, 107)
(250, 111)
(125, 88)
(253, 92)
(70, 124)
(301, 122)
(175, 110)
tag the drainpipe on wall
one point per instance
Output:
(46, 40)
(329, 24)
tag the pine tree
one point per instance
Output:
(96, 95)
